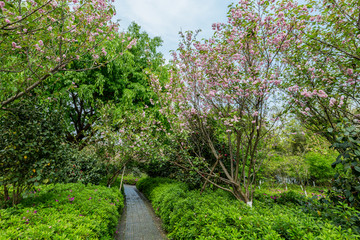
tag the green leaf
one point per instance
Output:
(357, 153)
(330, 130)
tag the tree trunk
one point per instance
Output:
(122, 178)
(6, 194)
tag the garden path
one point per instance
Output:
(138, 221)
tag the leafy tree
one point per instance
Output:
(230, 79)
(322, 77)
(40, 38)
(123, 82)
(347, 181)
(31, 147)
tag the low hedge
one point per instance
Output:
(131, 179)
(217, 215)
(64, 211)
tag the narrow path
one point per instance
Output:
(138, 221)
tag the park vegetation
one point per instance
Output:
(269, 103)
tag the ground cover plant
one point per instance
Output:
(190, 215)
(64, 211)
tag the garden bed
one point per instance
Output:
(64, 211)
(216, 214)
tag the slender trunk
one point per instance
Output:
(122, 177)
(112, 179)
(6, 193)
(13, 195)
(208, 178)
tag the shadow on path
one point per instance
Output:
(138, 221)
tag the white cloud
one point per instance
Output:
(165, 18)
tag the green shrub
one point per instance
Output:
(187, 214)
(131, 179)
(81, 166)
(64, 211)
(147, 185)
(320, 166)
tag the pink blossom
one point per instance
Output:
(37, 47)
(350, 71)
(132, 43)
(255, 114)
(322, 94)
(95, 56)
(7, 20)
(306, 93)
(2, 4)
(41, 43)
(49, 29)
(103, 51)
(341, 103)
(332, 102)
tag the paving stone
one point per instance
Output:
(138, 221)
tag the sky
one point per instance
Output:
(165, 18)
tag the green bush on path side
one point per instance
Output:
(216, 215)
(64, 211)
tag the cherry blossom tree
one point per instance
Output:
(322, 77)
(322, 83)
(229, 82)
(39, 38)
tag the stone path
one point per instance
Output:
(138, 221)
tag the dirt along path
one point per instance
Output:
(138, 221)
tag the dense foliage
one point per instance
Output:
(40, 38)
(64, 211)
(31, 147)
(189, 215)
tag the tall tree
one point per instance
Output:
(230, 80)
(123, 82)
(322, 82)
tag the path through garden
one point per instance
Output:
(138, 221)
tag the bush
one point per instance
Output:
(320, 166)
(81, 166)
(190, 215)
(131, 179)
(64, 211)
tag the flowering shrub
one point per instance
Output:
(64, 211)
